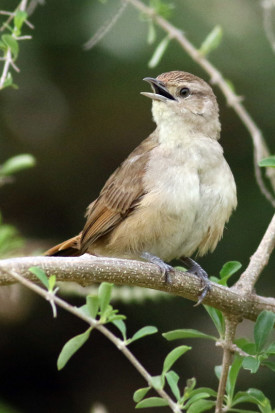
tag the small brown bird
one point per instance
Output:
(173, 194)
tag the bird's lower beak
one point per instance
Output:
(160, 91)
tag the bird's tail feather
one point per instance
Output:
(68, 248)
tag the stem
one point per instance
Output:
(230, 330)
(258, 261)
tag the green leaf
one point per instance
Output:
(16, 164)
(52, 281)
(269, 364)
(159, 52)
(92, 302)
(271, 349)
(173, 356)
(269, 162)
(258, 396)
(201, 406)
(12, 43)
(121, 326)
(263, 327)
(152, 402)
(206, 390)
(144, 331)
(187, 333)
(212, 41)
(157, 382)
(71, 347)
(251, 363)
(140, 394)
(151, 37)
(104, 295)
(19, 19)
(198, 396)
(230, 268)
(8, 82)
(172, 379)
(232, 377)
(217, 318)
(40, 274)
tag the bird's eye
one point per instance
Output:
(184, 92)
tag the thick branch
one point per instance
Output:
(86, 270)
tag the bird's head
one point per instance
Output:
(182, 98)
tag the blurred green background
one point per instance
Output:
(80, 113)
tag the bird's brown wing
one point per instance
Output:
(119, 196)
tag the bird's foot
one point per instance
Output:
(194, 268)
(165, 269)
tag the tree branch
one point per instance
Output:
(258, 261)
(87, 269)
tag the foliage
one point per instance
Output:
(192, 399)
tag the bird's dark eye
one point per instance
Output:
(184, 92)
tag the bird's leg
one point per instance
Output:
(196, 269)
(166, 269)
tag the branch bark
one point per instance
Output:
(87, 269)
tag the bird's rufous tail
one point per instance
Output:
(69, 248)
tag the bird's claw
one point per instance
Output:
(165, 269)
(195, 268)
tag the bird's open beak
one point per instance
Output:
(160, 91)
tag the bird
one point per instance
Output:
(174, 193)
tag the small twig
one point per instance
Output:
(260, 147)
(230, 330)
(258, 261)
(95, 324)
(105, 28)
(233, 348)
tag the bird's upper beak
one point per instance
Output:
(160, 91)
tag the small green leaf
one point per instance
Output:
(104, 295)
(201, 406)
(19, 18)
(172, 379)
(157, 382)
(269, 364)
(173, 356)
(140, 394)
(92, 302)
(144, 331)
(271, 349)
(268, 162)
(12, 43)
(40, 274)
(251, 363)
(217, 318)
(151, 37)
(212, 41)
(71, 347)
(122, 327)
(16, 164)
(232, 377)
(230, 84)
(159, 52)
(196, 397)
(230, 268)
(186, 333)
(207, 390)
(52, 281)
(263, 327)
(152, 402)
(258, 395)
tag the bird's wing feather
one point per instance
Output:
(119, 196)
